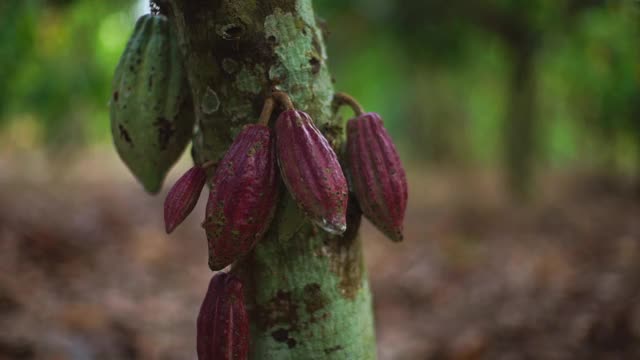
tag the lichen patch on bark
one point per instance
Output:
(210, 102)
(249, 79)
(299, 58)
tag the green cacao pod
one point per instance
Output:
(151, 109)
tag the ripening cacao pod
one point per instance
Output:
(243, 197)
(376, 174)
(150, 107)
(183, 196)
(223, 323)
(311, 171)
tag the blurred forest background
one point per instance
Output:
(519, 124)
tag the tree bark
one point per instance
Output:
(307, 291)
(520, 130)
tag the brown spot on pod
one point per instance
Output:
(311, 171)
(165, 130)
(182, 197)
(223, 323)
(124, 134)
(243, 196)
(377, 176)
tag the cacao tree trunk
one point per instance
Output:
(307, 290)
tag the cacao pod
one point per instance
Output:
(243, 197)
(311, 171)
(183, 196)
(223, 323)
(376, 174)
(150, 107)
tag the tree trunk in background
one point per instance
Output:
(520, 130)
(635, 116)
(307, 291)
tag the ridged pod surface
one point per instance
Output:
(151, 109)
(243, 197)
(376, 173)
(223, 323)
(183, 196)
(311, 171)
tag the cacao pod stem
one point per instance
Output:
(267, 109)
(341, 98)
(283, 99)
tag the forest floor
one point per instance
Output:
(87, 272)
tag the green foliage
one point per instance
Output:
(592, 84)
(56, 63)
(438, 72)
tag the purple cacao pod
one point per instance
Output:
(223, 323)
(311, 171)
(376, 173)
(182, 197)
(243, 197)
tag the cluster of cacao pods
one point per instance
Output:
(245, 186)
(152, 121)
(313, 176)
(244, 192)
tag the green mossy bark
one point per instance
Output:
(307, 291)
